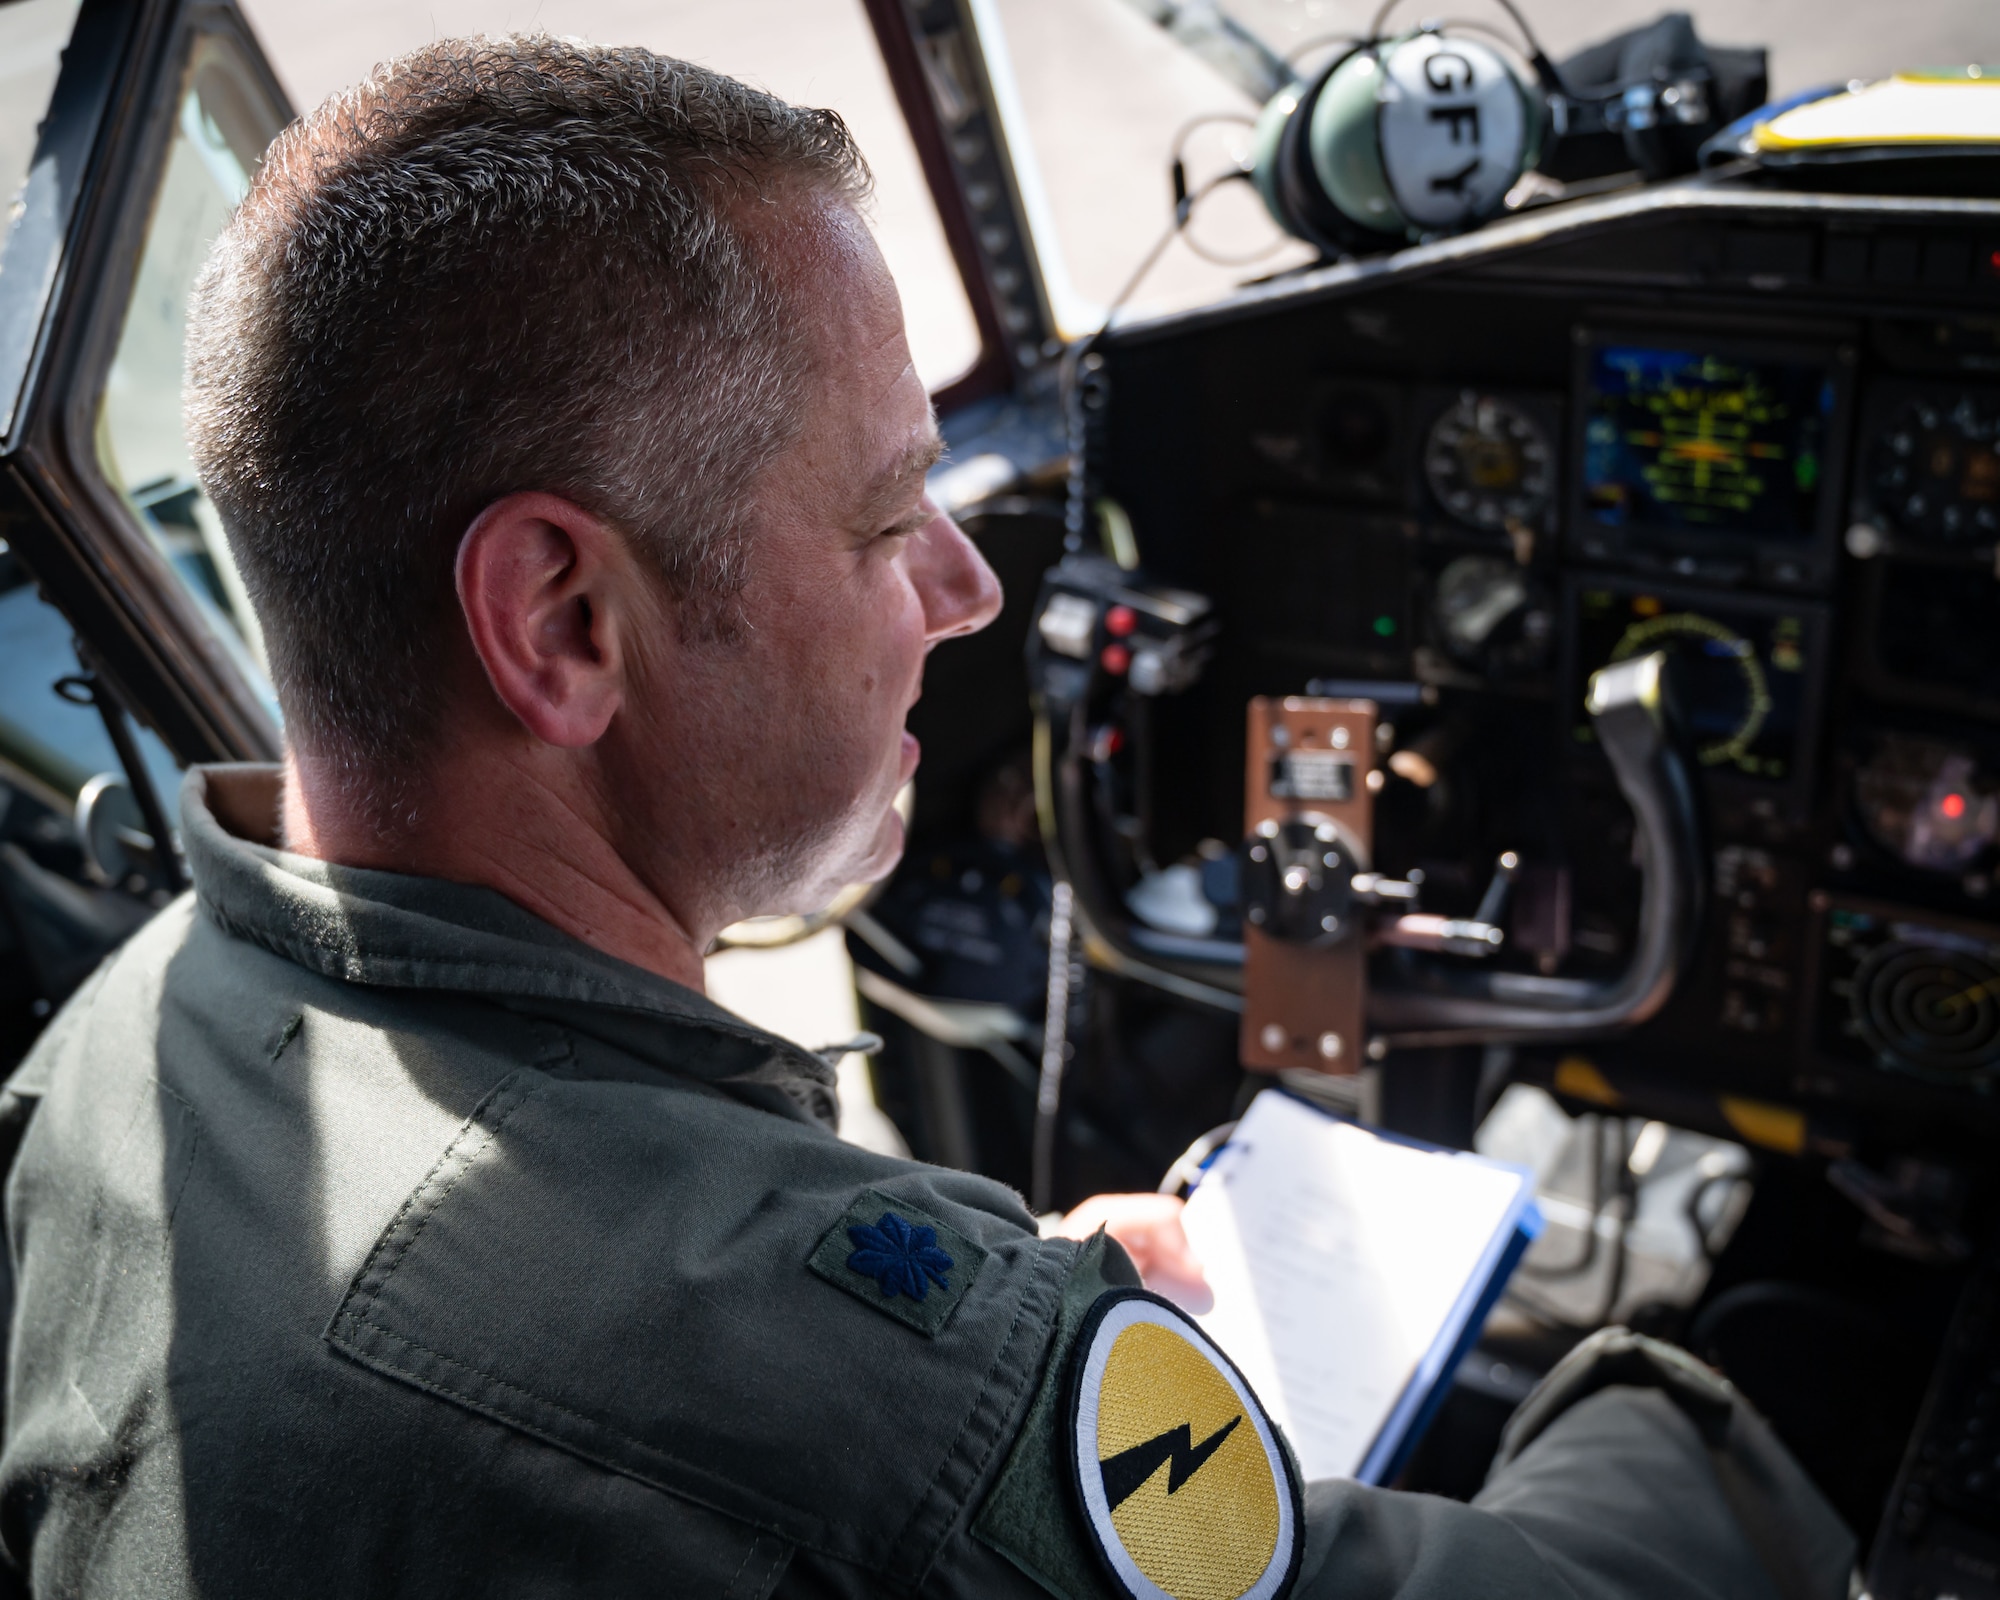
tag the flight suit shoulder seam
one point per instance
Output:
(1051, 1265)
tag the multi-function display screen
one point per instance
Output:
(1689, 440)
(1743, 671)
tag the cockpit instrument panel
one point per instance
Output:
(1493, 616)
(1928, 802)
(1474, 484)
(1928, 632)
(1929, 477)
(1747, 670)
(1708, 460)
(1490, 463)
(1909, 995)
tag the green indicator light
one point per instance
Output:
(1385, 626)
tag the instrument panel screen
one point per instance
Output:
(1912, 996)
(1742, 670)
(1689, 440)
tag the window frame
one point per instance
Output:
(992, 244)
(72, 527)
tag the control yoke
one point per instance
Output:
(1335, 955)
(1632, 707)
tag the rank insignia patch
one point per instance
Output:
(899, 1259)
(1183, 1484)
(902, 1257)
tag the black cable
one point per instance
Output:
(1064, 981)
(1696, 1195)
(1466, 24)
(1215, 260)
(1535, 51)
(1184, 204)
(1076, 514)
(1218, 260)
(1182, 198)
(1241, 119)
(1621, 1255)
(1292, 55)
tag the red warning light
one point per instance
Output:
(1115, 659)
(1953, 806)
(1119, 621)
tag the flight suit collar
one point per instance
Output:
(393, 930)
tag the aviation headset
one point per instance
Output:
(1426, 132)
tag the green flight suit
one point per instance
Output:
(372, 1237)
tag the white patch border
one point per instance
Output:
(1134, 1308)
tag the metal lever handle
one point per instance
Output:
(1494, 901)
(1458, 936)
(1371, 888)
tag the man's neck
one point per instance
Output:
(527, 839)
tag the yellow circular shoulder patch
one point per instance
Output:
(1186, 1491)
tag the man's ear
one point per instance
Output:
(541, 581)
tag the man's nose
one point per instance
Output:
(960, 592)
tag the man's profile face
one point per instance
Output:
(798, 727)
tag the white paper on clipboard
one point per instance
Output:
(1345, 1267)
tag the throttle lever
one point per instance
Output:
(1494, 901)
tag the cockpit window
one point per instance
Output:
(218, 135)
(1098, 146)
(38, 174)
(52, 744)
(32, 36)
(810, 52)
(1105, 93)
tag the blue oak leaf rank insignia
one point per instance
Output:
(901, 1257)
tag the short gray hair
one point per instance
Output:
(496, 265)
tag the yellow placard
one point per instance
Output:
(1911, 108)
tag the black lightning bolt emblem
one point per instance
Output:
(1127, 1470)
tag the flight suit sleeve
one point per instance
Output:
(1623, 1496)
(1632, 1473)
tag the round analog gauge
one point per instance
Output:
(1490, 464)
(1492, 615)
(1927, 803)
(1934, 472)
(1731, 696)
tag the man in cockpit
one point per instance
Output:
(394, 1215)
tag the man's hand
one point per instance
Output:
(1149, 1227)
